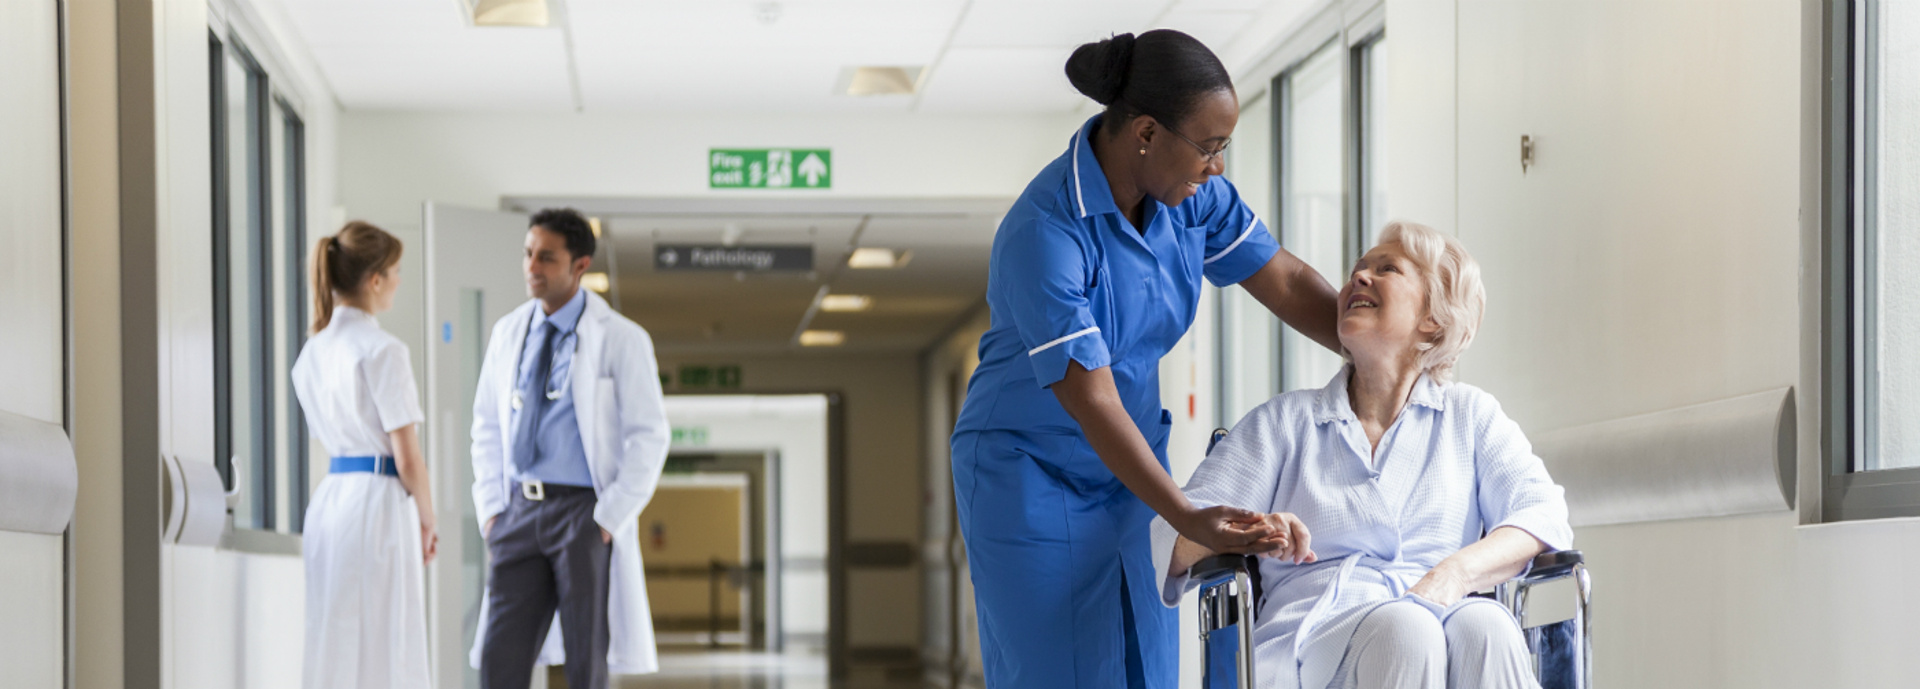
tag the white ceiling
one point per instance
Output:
(1003, 56)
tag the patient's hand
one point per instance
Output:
(1223, 529)
(1293, 541)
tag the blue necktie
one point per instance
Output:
(532, 390)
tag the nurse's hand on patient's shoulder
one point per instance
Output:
(1224, 529)
(1294, 542)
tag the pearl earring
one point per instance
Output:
(1143, 150)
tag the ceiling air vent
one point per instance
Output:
(506, 12)
(879, 81)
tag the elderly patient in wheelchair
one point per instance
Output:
(1379, 488)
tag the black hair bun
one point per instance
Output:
(1099, 69)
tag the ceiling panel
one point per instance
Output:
(1215, 29)
(729, 55)
(1052, 24)
(1002, 80)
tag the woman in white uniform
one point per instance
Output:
(370, 527)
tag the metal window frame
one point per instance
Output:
(262, 479)
(1282, 90)
(294, 248)
(1360, 144)
(1846, 246)
(220, 227)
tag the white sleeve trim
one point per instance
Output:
(1050, 345)
(1244, 234)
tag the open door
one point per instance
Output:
(473, 278)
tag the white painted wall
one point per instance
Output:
(795, 426)
(32, 375)
(1653, 257)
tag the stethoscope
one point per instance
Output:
(553, 394)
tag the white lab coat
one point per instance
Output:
(623, 426)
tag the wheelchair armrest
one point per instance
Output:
(1554, 563)
(1217, 566)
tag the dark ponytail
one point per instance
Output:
(1162, 74)
(343, 261)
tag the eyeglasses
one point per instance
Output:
(1206, 155)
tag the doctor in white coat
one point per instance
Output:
(569, 438)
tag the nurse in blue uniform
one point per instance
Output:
(1060, 453)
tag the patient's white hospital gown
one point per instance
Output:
(1452, 466)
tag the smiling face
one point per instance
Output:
(552, 271)
(1173, 169)
(1383, 307)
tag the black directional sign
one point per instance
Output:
(751, 259)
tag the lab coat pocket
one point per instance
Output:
(609, 440)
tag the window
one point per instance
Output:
(1248, 335)
(259, 293)
(1313, 197)
(1370, 144)
(1873, 310)
(290, 204)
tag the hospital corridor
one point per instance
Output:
(959, 344)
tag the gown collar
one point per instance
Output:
(1332, 403)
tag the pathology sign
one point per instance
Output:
(770, 168)
(744, 259)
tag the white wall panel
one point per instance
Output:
(32, 370)
(31, 637)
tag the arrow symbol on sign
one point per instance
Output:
(813, 168)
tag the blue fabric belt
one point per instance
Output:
(378, 465)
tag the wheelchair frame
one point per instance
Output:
(1230, 602)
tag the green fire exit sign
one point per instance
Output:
(770, 168)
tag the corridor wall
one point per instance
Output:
(33, 383)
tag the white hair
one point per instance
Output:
(1455, 297)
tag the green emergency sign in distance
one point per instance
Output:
(769, 168)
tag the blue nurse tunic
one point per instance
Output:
(1059, 549)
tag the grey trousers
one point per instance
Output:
(1402, 645)
(546, 554)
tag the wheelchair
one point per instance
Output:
(1230, 594)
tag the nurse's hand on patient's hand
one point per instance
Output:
(1292, 540)
(487, 530)
(1224, 529)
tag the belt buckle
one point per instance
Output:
(533, 490)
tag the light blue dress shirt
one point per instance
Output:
(559, 456)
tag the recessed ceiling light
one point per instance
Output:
(822, 338)
(875, 257)
(597, 282)
(879, 81)
(846, 302)
(507, 12)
